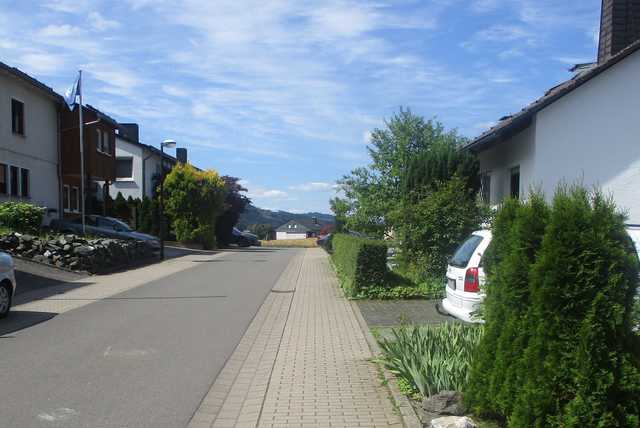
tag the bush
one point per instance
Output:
(360, 262)
(21, 216)
(430, 229)
(194, 200)
(397, 287)
(431, 358)
(518, 231)
(559, 349)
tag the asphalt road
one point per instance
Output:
(145, 359)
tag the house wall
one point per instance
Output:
(502, 157)
(592, 135)
(37, 150)
(133, 186)
(286, 235)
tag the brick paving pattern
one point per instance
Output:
(320, 373)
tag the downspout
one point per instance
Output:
(60, 182)
(144, 176)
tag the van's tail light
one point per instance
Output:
(472, 281)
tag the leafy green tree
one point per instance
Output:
(340, 209)
(373, 192)
(234, 205)
(194, 200)
(145, 216)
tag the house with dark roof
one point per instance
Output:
(138, 165)
(296, 229)
(585, 130)
(29, 141)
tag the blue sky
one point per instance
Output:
(285, 93)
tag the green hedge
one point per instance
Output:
(559, 348)
(360, 262)
(21, 216)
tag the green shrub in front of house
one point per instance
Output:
(559, 348)
(360, 262)
(433, 358)
(21, 216)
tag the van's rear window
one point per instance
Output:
(464, 253)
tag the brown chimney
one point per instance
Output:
(619, 27)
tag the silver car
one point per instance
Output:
(7, 283)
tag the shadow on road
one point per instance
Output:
(18, 320)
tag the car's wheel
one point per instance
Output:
(5, 299)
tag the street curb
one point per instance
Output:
(407, 413)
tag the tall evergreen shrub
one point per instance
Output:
(580, 367)
(558, 349)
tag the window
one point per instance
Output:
(102, 141)
(124, 168)
(515, 182)
(485, 187)
(24, 182)
(17, 117)
(4, 188)
(65, 197)
(13, 180)
(74, 200)
(464, 253)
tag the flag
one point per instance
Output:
(73, 92)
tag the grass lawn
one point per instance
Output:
(291, 243)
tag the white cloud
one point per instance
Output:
(64, 30)
(100, 23)
(259, 193)
(313, 187)
(41, 63)
(175, 91)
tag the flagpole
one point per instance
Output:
(81, 152)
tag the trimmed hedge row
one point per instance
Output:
(360, 262)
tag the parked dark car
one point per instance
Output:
(325, 242)
(244, 239)
(108, 227)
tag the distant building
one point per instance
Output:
(29, 134)
(296, 229)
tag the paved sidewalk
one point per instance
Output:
(304, 361)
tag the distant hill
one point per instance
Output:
(255, 215)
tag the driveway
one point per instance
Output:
(141, 358)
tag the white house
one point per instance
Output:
(585, 130)
(29, 141)
(137, 164)
(295, 229)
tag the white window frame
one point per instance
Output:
(69, 209)
(132, 178)
(100, 144)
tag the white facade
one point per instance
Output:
(589, 136)
(144, 165)
(29, 159)
(288, 235)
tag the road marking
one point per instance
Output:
(61, 414)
